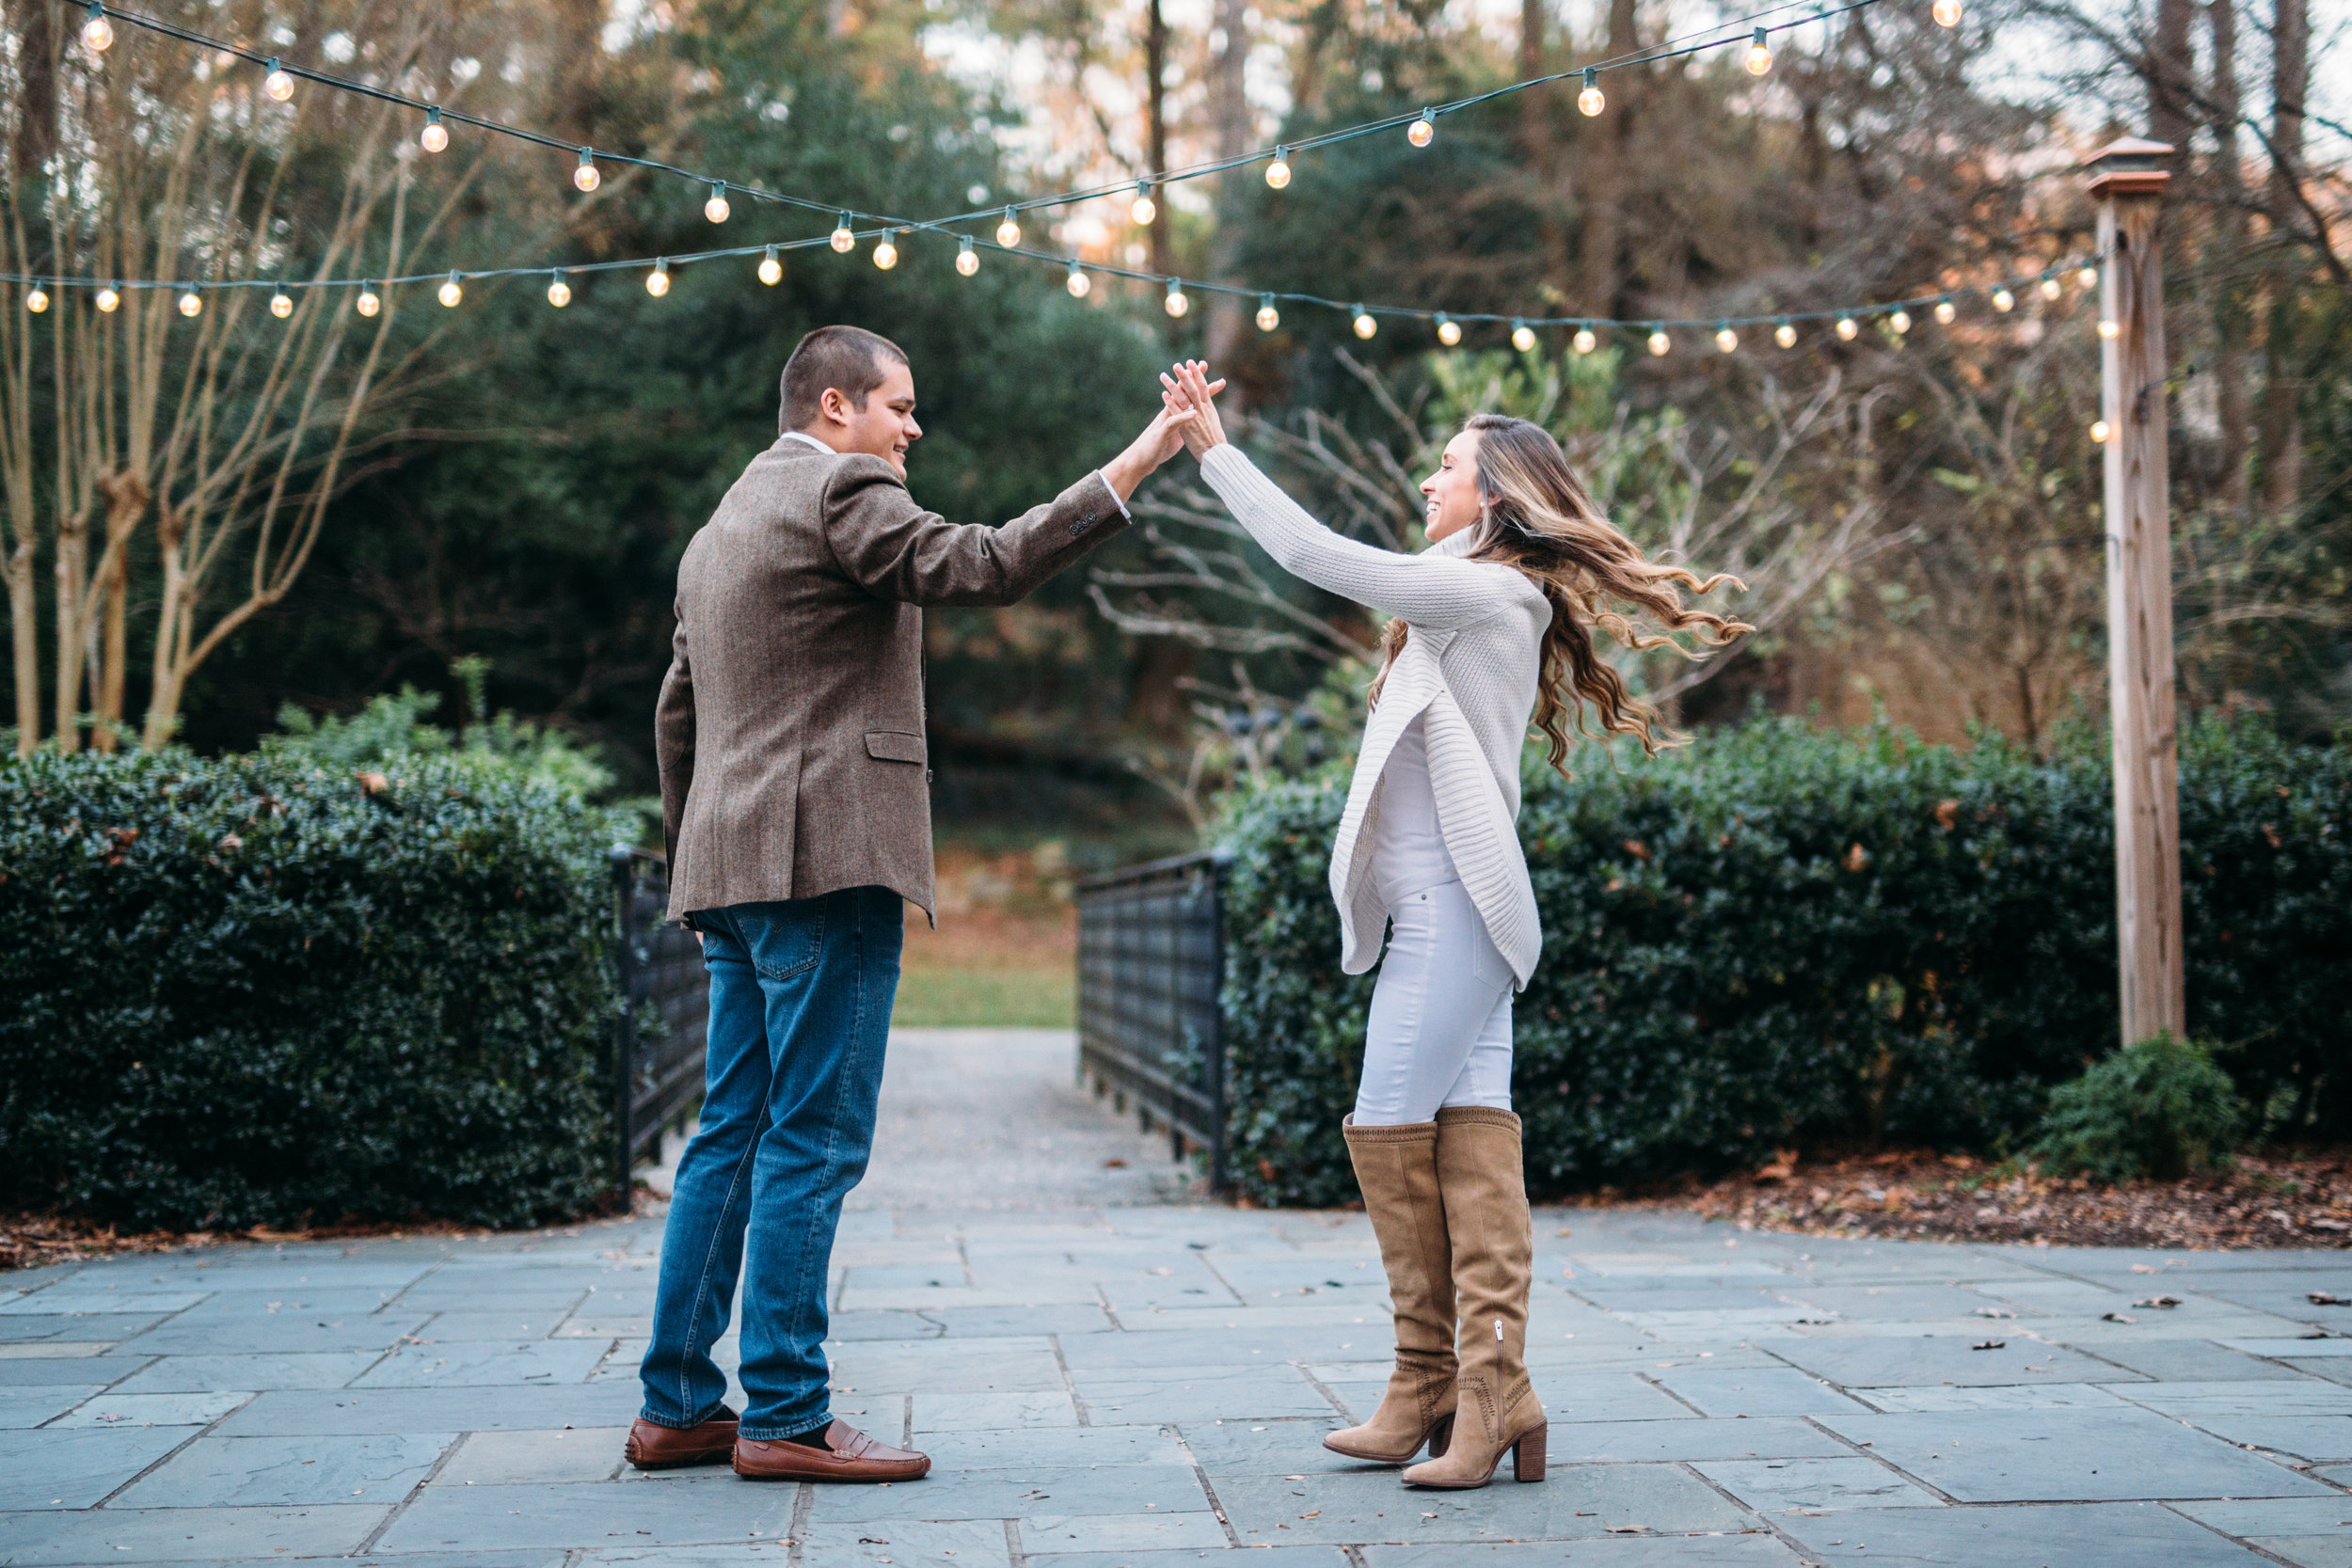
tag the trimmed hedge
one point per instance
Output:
(252, 992)
(1779, 936)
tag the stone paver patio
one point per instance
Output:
(1103, 1379)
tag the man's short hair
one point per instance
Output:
(848, 360)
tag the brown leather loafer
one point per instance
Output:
(655, 1447)
(849, 1454)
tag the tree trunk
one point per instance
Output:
(2282, 433)
(24, 645)
(1229, 103)
(1156, 129)
(1535, 137)
(2171, 72)
(35, 23)
(2232, 321)
(126, 502)
(575, 85)
(72, 583)
(1604, 228)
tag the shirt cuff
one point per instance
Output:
(1114, 495)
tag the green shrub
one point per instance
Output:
(257, 992)
(2161, 1109)
(1779, 935)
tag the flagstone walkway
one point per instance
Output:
(1105, 1379)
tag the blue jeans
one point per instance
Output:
(800, 1013)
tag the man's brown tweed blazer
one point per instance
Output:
(791, 727)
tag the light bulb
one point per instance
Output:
(450, 291)
(97, 34)
(1785, 335)
(1583, 343)
(1522, 336)
(1659, 342)
(1726, 340)
(369, 303)
(1277, 173)
(559, 292)
(1009, 230)
(1080, 285)
(1143, 209)
(1449, 332)
(2004, 301)
(1422, 131)
(886, 254)
(1589, 102)
(1177, 304)
(2099, 431)
(2110, 328)
(1268, 317)
(1365, 325)
(1946, 13)
(657, 280)
(1759, 59)
(191, 303)
(1847, 327)
(1900, 322)
(278, 83)
(967, 259)
(108, 300)
(585, 177)
(715, 209)
(844, 238)
(280, 306)
(2088, 277)
(435, 137)
(2051, 288)
(1944, 311)
(771, 270)
(37, 300)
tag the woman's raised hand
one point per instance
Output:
(1188, 390)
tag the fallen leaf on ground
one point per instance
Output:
(1990, 1345)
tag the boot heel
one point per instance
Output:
(1527, 1455)
(1440, 1436)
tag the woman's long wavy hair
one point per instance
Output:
(1537, 517)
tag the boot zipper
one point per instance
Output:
(1497, 1329)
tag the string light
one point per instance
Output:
(2100, 432)
(450, 291)
(2004, 301)
(1143, 209)
(585, 178)
(1449, 332)
(968, 259)
(1008, 232)
(2110, 328)
(1759, 57)
(1944, 311)
(1590, 100)
(109, 298)
(1847, 327)
(1277, 173)
(280, 305)
(1900, 322)
(1176, 302)
(435, 137)
(1522, 336)
(1946, 13)
(1422, 130)
(1785, 334)
(2051, 288)
(657, 280)
(368, 302)
(715, 209)
(37, 300)
(1268, 317)
(97, 34)
(886, 253)
(1659, 342)
(1080, 285)
(770, 269)
(844, 238)
(1365, 325)
(191, 303)
(559, 292)
(279, 84)
(2088, 277)
(1584, 343)
(1726, 340)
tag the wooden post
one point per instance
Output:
(2128, 182)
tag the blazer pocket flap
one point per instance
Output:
(895, 745)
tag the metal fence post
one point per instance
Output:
(626, 974)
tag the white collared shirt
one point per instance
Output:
(805, 435)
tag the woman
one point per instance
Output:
(1490, 627)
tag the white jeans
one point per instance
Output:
(1440, 1033)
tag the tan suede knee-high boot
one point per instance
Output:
(1397, 1169)
(1484, 1188)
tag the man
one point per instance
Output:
(796, 811)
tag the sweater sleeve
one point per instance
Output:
(1430, 589)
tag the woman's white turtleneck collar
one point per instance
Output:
(1458, 543)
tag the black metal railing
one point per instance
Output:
(1151, 962)
(665, 1002)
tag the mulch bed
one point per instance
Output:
(2281, 1199)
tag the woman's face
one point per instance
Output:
(1452, 490)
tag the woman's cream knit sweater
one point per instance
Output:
(1472, 649)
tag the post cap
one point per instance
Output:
(2132, 166)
